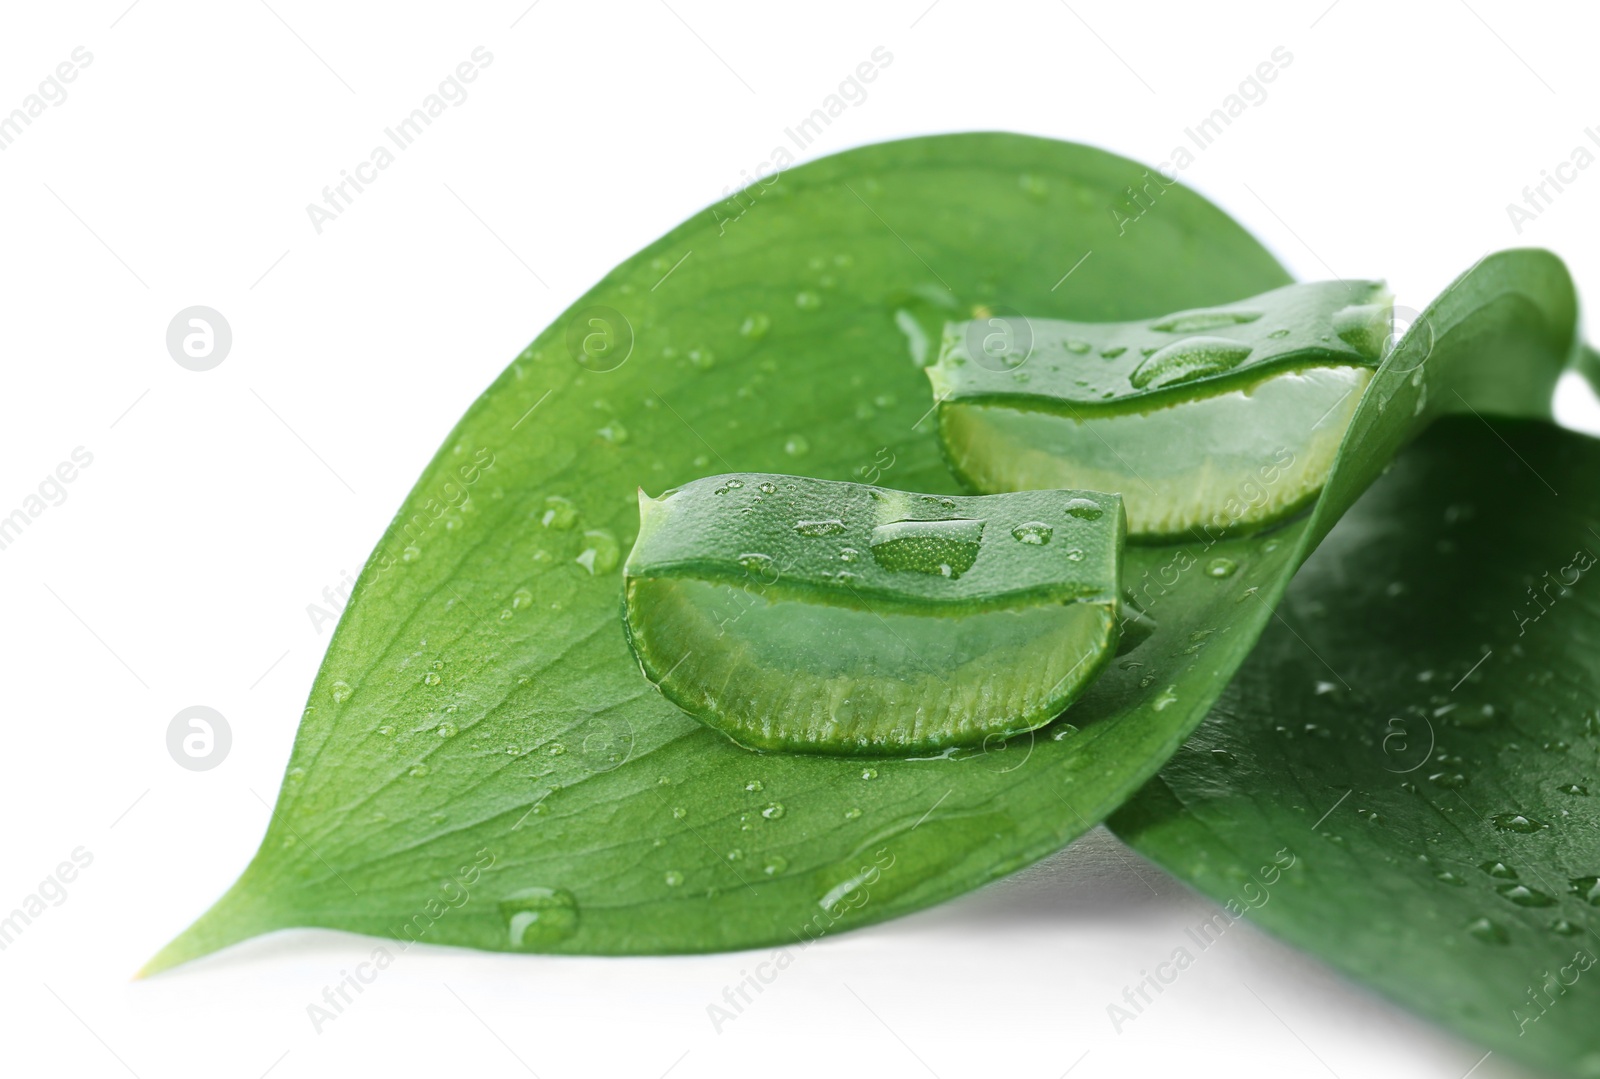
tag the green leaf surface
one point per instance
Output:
(771, 333)
(1420, 730)
(482, 763)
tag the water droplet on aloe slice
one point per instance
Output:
(953, 632)
(1225, 431)
(1202, 321)
(938, 548)
(1187, 360)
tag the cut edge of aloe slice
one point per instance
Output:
(855, 699)
(816, 616)
(1253, 455)
(1222, 420)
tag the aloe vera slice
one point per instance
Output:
(1227, 418)
(816, 616)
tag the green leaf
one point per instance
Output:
(1420, 733)
(482, 763)
(1589, 366)
(771, 333)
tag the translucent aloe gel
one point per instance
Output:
(1224, 418)
(815, 616)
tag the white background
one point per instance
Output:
(218, 505)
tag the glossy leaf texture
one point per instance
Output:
(481, 762)
(770, 333)
(1421, 732)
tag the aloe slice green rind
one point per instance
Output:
(841, 542)
(1085, 368)
(818, 616)
(1422, 731)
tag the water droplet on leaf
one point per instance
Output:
(1587, 889)
(559, 513)
(600, 553)
(1524, 896)
(539, 917)
(1488, 932)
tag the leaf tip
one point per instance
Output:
(240, 914)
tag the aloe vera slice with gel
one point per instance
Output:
(816, 616)
(1224, 419)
